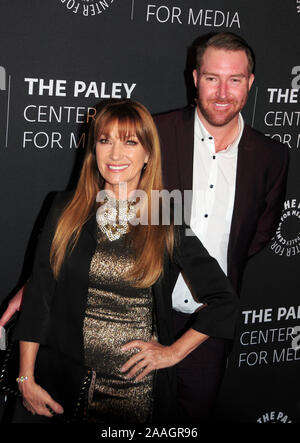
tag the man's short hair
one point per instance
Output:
(227, 41)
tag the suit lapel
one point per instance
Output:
(185, 148)
(185, 155)
(243, 185)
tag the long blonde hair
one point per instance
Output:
(149, 241)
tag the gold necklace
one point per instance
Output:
(113, 217)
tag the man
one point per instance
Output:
(238, 177)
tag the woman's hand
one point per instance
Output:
(152, 355)
(37, 401)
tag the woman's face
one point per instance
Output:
(120, 161)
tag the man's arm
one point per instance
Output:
(269, 219)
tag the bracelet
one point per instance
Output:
(22, 379)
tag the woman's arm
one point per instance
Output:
(34, 320)
(35, 399)
(32, 328)
(153, 355)
(210, 286)
(217, 317)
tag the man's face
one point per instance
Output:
(222, 83)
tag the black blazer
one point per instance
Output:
(262, 168)
(53, 311)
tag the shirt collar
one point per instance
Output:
(205, 136)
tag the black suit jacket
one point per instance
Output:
(262, 168)
(53, 310)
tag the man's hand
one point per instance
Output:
(13, 306)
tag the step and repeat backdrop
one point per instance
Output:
(59, 58)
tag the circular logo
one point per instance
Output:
(274, 417)
(87, 8)
(286, 241)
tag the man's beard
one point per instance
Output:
(220, 120)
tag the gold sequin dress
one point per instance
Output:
(116, 313)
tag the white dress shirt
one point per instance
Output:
(214, 175)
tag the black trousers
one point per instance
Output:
(199, 375)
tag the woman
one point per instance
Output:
(101, 278)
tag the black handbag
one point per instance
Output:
(67, 381)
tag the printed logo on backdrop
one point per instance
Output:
(282, 121)
(2, 79)
(185, 15)
(298, 6)
(286, 242)
(4, 106)
(2, 99)
(55, 123)
(270, 336)
(274, 417)
(87, 8)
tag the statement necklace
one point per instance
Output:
(113, 217)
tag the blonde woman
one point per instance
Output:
(100, 290)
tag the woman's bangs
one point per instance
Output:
(128, 125)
